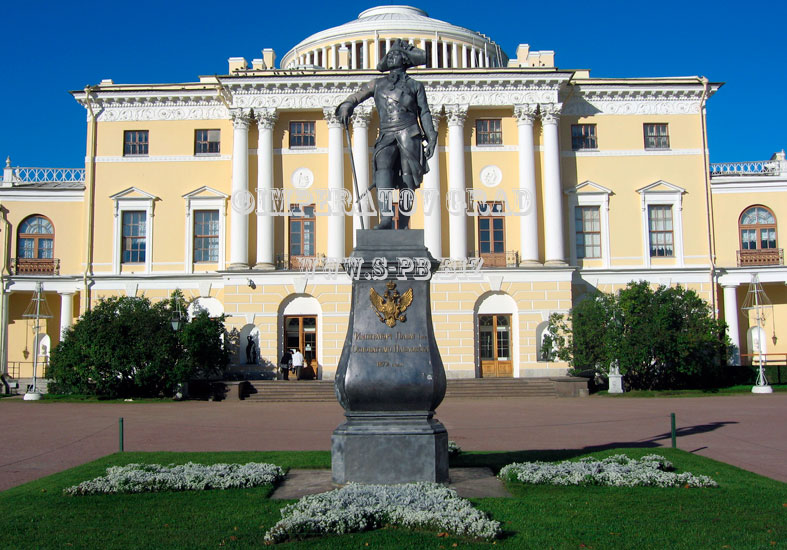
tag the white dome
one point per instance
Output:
(383, 22)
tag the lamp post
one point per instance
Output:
(36, 310)
(177, 315)
(758, 302)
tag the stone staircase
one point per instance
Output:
(472, 388)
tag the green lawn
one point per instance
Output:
(732, 390)
(747, 511)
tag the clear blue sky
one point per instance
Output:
(50, 47)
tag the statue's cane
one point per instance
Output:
(352, 162)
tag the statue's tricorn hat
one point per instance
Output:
(412, 56)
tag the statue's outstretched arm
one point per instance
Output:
(345, 110)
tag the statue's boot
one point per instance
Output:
(386, 222)
(404, 221)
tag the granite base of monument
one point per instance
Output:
(390, 377)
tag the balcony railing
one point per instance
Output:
(30, 266)
(754, 168)
(769, 256)
(25, 174)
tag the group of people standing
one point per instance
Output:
(291, 360)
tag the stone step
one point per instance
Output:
(323, 390)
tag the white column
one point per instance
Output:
(332, 64)
(365, 53)
(455, 56)
(66, 312)
(473, 58)
(387, 45)
(445, 55)
(731, 318)
(266, 120)
(434, 53)
(361, 117)
(433, 234)
(457, 220)
(324, 60)
(553, 196)
(354, 53)
(526, 198)
(335, 183)
(239, 224)
(464, 56)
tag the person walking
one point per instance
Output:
(297, 363)
(284, 365)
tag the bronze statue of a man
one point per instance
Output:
(400, 157)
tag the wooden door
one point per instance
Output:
(494, 334)
(300, 332)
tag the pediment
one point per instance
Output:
(589, 187)
(661, 186)
(205, 192)
(133, 193)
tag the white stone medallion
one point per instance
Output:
(491, 176)
(242, 201)
(302, 178)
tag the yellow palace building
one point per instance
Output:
(238, 190)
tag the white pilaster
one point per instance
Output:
(266, 120)
(335, 184)
(360, 119)
(528, 222)
(433, 235)
(457, 220)
(553, 196)
(66, 312)
(731, 318)
(239, 224)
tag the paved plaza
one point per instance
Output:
(42, 438)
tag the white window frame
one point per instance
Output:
(204, 198)
(662, 193)
(589, 193)
(132, 199)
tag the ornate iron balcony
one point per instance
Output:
(768, 256)
(31, 266)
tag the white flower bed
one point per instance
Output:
(453, 448)
(144, 478)
(357, 507)
(615, 471)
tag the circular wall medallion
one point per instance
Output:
(491, 176)
(302, 178)
(242, 201)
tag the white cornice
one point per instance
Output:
(42, 195)
(633, 99)
(165, 158)
(755, 186)
(633, 153)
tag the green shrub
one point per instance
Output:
(126, 347)
(660, 339)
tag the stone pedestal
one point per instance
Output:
(390, 377)
(615, 380)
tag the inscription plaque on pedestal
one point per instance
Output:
(390, 377)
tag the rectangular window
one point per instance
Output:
(207, 142)
(492, 234)
(302, 234)
(656, 136)
(588, 226)
(583, 136)
(135, 143)
(134, 237)
(206, 236)
(660, 228)
(302, 134)
(488, 132)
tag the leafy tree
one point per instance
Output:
(126, 347)
(663, 338)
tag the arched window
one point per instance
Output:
(757, 230)
(36, 239)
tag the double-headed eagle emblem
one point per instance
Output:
(391, 305)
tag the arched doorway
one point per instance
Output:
(299, 328)
(496, 336)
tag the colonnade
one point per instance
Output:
(366, 54)
(457, 179)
